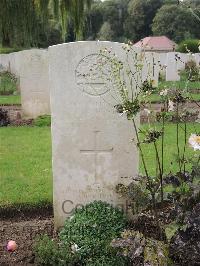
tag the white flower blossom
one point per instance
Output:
(75, 248)
(147, 111)
(164, 92)
(194, 141)
(171, 106)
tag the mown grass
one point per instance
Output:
(25, 162)
(182, 84)
(170, 148)
(179, 84)
(25, 166)
(10, 99)
(7, 50)
(156, 98)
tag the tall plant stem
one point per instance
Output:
(155, 209)
(162, 149)
(184, 150)
(146, 172)
(160, 171)
(140, 149)
(177, 135)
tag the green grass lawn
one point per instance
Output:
(25, 163)
(170, 148)
(179, 84)
(10, 99)
(155, 98)
(7, 50)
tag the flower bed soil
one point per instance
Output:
(23, 228)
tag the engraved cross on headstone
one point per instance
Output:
(96, 151)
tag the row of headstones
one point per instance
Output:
(91, 143)
(171, 64)
(32, 69)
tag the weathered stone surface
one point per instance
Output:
(172, 67)
(31, 67)
(92, 149)
(34, 82)
(151, 67)
(4, 62)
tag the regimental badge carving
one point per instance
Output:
(93, 75)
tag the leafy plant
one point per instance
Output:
(191, 45)
(8, 83)
(4, 118)
(92, 228)
(42, 121)
(141, 250)
(85, 238)
(49, 252)
(46, 251)
(192, 71)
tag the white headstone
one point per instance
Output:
(150, 69)
(4, 62)
(34, 82)
(172, 69)
(15, 61)
(92, 148)
(197, 59)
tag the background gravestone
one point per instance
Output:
(4, 61)
(172, 69)
(34, 82)
(92, 148)
(151, 68)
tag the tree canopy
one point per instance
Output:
(176, 22)
(40, 23)
(22, 21)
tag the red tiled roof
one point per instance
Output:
(156, 43)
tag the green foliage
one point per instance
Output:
(4, 119)
(94, 20)
(105, 33)
(48, 252)
(171, 229)
(8, 83)
(19, 30)
(42, 121)
(192, 71)
(156, 253)
(140, 17)
(71, 12)
(7, 50)
(142, 250)
(34, 25)
(137, 194)
(109, 260)
(131, 108)
(92, 228)
(176, 22)
(191, 45)
(85, 238)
